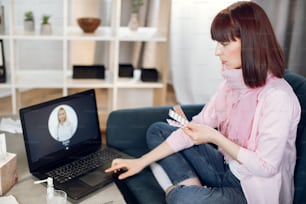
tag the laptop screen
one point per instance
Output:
(60, 129)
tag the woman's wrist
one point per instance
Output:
(145, 160)
(216, 137)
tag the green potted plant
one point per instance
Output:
(29, 24)
(45, 28)
(137, 5)
(133, 23)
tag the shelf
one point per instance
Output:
(20, 34)
(5, 36)
(88, 83)
(45, 61)
(132, 83)
(146, 34)
(41, 79)
(5, 85)
(142, 34)
(102, 33)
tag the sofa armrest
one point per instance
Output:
(126, 129)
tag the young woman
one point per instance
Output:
(64, 127)
(251, 122)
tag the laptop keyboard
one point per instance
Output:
(83, 165)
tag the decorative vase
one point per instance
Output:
(29, 26)
(45, 29)
(133, 23)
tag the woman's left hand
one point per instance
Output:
(199, 133)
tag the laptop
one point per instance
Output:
(63, 133)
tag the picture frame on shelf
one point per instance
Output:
(2, 63)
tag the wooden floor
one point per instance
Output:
(34, 96)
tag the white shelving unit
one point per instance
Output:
(23, 76)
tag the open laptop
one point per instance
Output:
(62, 131)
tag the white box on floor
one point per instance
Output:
(8, 172)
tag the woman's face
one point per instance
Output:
(229, 54)
(61, 116)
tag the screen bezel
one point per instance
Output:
(58, 158)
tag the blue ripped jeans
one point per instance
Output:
(203, 161)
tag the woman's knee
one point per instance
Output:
(157, 133)
(179, 195)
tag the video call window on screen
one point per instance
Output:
(63, 124)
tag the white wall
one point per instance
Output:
(195, 70)
(39, 54)
(48, 54)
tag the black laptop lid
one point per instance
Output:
(60, 130)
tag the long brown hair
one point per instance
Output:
(260, 51)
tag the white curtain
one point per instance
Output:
(288, 20)
(194, 68)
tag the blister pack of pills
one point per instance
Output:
(178, 118)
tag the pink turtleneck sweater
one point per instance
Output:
(265, 129)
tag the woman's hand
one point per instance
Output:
(200, 134)
(134, 166)
(130, 167)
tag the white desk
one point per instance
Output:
(25, 191)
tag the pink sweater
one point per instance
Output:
(267, 165)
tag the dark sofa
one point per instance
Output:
(126, 130)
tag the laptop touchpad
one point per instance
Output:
(96, 178)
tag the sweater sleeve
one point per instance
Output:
(277, 122)
(178, 140)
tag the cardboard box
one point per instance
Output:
(8, 172)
